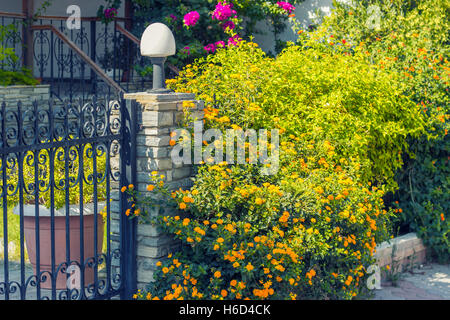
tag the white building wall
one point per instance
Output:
(305, 13)
(59, 7)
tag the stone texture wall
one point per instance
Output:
(27, 94)
(159, 115)
(401, 253)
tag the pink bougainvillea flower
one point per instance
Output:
(187, 50)
(223, 11)
(228, 24)
(220, 44)
(191, 18)
(110, 13)
(233, 41)
(286, 6)
(210, 48)
(173, 17)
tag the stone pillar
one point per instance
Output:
(159, 115)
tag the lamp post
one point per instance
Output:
(158, 43)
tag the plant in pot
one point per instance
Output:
(68, 222)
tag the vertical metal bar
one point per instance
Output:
(67, 183)
(20, 157)
(108, 209)
(71, 68)
(51, 64)
(95, 199)
(82, 64)
(41, 67)
(80, 184)
(115, 64)
(128, 175)
(52, 200)
(5, 208)
(36, 200)
(93, 54)
(61, 61)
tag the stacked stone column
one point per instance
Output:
(159, 115)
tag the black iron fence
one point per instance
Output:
(70, 75)
(62, 232)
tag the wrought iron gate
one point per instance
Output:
(62, 232)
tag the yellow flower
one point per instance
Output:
(186, 221)
(220, 240)
(259, 201)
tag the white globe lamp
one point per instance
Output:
(158, 42)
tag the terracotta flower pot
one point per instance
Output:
(45, 251)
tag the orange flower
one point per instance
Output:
(182, 205)
(249, 267)
(217, 274)
(150, 187)
(186, 221)
(442, 217)
(124, 188)
(131, 186)
(224, 293)
(172, 142)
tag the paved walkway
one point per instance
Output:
(431, 282)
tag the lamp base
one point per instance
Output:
(160, 91)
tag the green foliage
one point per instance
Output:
(411, 38)
(206, 31)
(314, 90)
(308, 231)
(8, 77)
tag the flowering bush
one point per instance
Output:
(309, 231)
(334, 96)
(191, 18)
(199, 24)
(411, 39)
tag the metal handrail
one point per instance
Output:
(82, 55)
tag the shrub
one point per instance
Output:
(411, 39)
(310, 230)
(318, 90)
(7, 55)
(200, 36)
(307, 232)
